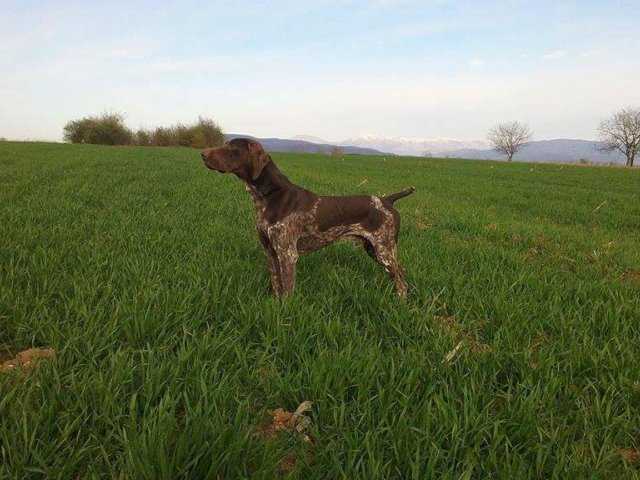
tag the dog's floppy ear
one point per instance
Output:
(258, 159)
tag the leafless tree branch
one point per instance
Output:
(622, 132)
(509, 138)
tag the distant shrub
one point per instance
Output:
(109, 129)
(337, 152)
(206, 133)
(161, 137)
(584, 161)
(142, 138)
(2, 139)
(182, 135)
(106, 129)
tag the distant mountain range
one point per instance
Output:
(311, 138)
(559, 150)
(304, 146)
(416, 147)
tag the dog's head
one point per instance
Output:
(242, 156)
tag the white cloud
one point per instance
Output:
(438, 89)
(590, 53)
(288, 100)
(555, 55)
(128, 53)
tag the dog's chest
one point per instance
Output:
(261, 208)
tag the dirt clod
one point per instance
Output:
(294, 423)
(420, 225)
(27, 359)
(630, 455)
(287, 464)
(631, 276)
(285, 421)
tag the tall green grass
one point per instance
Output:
(515, 356)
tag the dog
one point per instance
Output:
(292, 220)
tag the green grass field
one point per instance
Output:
(516, 355)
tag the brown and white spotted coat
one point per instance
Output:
(292, 221)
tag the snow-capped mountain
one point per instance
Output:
(556, 150)
(310, 138)
(414, 146)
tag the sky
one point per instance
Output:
(333, 69)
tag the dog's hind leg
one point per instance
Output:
(386, 255)
(366, 244)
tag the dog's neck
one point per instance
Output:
(270, 181)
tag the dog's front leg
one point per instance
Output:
(284, 244)
(287, 260)
(272, 263)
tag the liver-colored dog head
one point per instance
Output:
(244, 157)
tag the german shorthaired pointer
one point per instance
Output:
(292, 220)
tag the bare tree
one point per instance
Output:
(622, 132)
(509, 138)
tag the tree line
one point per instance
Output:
(620, 132)
(110, 129)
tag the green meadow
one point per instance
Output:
(516, 354)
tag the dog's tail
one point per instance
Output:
(397, 196)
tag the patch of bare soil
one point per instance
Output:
(27, 359)
(537, 343)
(421, 221)
(420, 225)
(292, 423)
(631, 276)
(287, 464)
(630, 455)
(464, 338)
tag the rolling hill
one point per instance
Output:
(304, 146)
